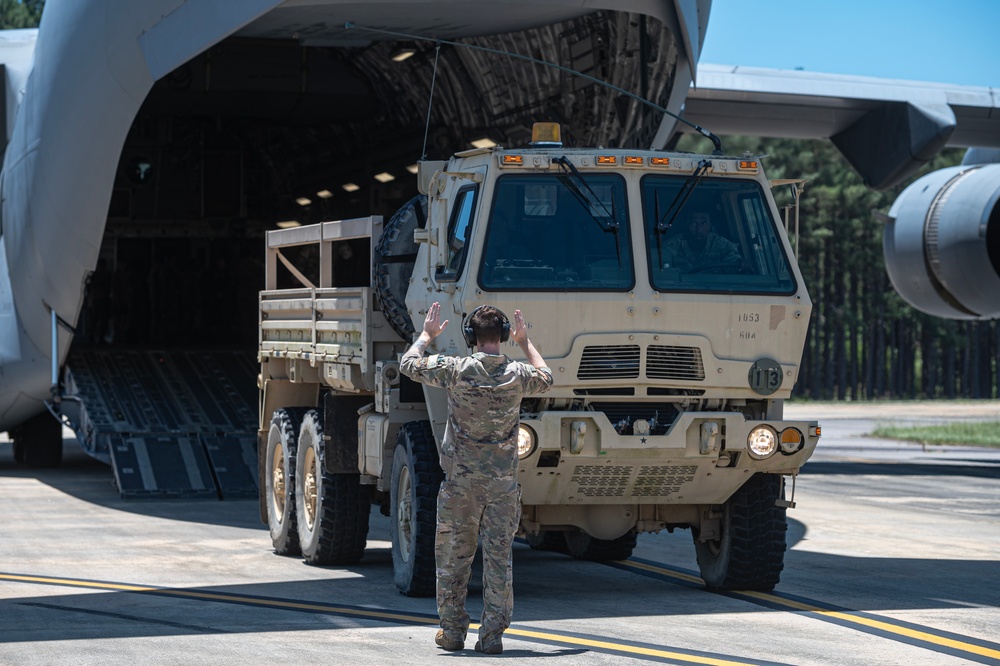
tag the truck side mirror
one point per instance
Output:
(434, 234)
(425, 174)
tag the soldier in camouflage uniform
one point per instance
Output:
(479, 497)
(698, 246)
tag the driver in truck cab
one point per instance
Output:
(479, 497)
(698, 246)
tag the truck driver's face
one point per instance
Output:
(700, 226)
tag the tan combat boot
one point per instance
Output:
(450, 644)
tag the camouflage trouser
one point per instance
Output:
(467, 510)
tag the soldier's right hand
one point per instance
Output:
(520, 332)
(433, 326)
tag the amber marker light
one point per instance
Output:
(513, 160)
(546, 134)
(607, 159)
(659, 161)
(790, 441)
(633, 160)
(748, 165)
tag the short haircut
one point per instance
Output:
(487, 323)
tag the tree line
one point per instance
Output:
(864, 341)
(16, 14)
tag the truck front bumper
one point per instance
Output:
(703, 458)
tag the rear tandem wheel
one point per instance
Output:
(279, 479)
(332, 510)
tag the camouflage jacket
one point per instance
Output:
(484, 403)
(681, 253)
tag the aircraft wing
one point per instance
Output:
(886, 128)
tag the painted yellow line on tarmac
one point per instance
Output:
(881, 625)
(620, 648)
(687, 578)
(215, 596)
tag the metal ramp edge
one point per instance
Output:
(184, 465)
(170, 423)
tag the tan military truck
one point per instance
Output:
(660, 288)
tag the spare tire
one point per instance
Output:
(392, 267)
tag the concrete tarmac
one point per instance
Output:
(892, 560)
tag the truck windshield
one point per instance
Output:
(722, 240)
(541, 235)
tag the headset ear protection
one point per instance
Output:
(470, 335)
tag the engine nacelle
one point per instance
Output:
(942, 243)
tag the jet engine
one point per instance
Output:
(942, 242)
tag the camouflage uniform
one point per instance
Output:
(479, 496)
(717, 250)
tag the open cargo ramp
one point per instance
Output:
(170, 423)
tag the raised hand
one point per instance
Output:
(432, 323)
(520, 332)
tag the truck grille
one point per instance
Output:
(601, 480)
(616, 480)
(660, 480)
(609, 362)
(674, 363)
(623, 361)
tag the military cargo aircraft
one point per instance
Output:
(149, 145)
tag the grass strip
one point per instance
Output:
(963, 433)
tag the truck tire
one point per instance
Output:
(331, 510)
(416, 478)
(38, 442)
(392, 266)
(750, 553)
(582, 546)
(279, 479)
(544, 540)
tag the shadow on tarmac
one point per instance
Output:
(548, 586)
(583, 588)
(90, 480)
(982, 470)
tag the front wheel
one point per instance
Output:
(331, 509)
(416, 478)
(582, 546)
(750, 551)
(279, 479)
(545, 540)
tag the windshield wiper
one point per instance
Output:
(662, 222)
(573, 180)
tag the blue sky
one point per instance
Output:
(955, 42)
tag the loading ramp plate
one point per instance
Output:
(170, 423)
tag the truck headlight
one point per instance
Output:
(790, 441)
(526, 441)
(762, 442)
